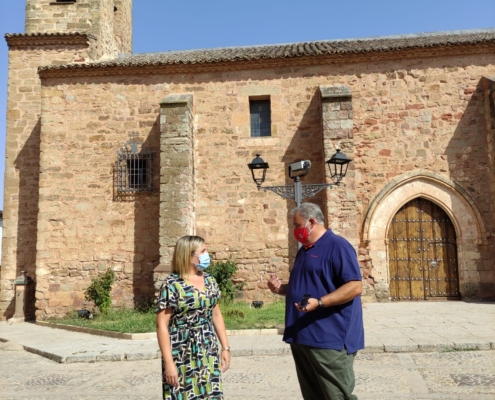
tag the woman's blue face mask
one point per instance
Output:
(204, 261)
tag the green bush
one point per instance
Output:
(99, 291)
(223, 271)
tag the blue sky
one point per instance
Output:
(162, 25)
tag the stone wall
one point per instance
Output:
(240, 223)
(428, 115)
(487, 271)
(407, 115)
(21, 191)
(84, 226)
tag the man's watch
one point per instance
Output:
(320, 303)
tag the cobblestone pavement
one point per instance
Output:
(460, 375)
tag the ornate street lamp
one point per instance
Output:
(260, 167)
(337, 165)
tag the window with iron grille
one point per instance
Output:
(135, 173)
(260, 118)
(134, 169)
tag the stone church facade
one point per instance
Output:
(112, 156)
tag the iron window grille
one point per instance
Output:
(260, 118)
(134, 167)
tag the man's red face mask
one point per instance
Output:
(302, 234)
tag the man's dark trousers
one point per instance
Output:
(324, 374)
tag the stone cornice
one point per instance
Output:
(331, 92)
(102, 69)
(177, 100)
(48, 39)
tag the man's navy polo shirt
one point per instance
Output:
(319, 270)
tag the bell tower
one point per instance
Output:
(108, 21)
(57, 32)
(123, 25)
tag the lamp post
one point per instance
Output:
(337, 165)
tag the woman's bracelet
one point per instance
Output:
(226, 348)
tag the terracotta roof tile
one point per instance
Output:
(290, 50)
(41, 39)
(37, 34)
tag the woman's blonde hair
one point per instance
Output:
(185, 248)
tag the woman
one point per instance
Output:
(187, 318)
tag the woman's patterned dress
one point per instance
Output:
(193, 339)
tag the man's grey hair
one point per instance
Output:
(309, 210)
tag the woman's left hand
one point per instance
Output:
(225, 359)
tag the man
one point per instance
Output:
(323, 312)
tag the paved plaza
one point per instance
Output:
(416, 351)
(458, 375)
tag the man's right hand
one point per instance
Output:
(274, 284)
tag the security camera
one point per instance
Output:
(300, 166)
(299, 169)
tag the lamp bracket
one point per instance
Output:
(287, 192)
(312, 189)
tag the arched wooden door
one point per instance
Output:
(422, 253)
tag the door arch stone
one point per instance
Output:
(457, 204)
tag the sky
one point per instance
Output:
(162, 25)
